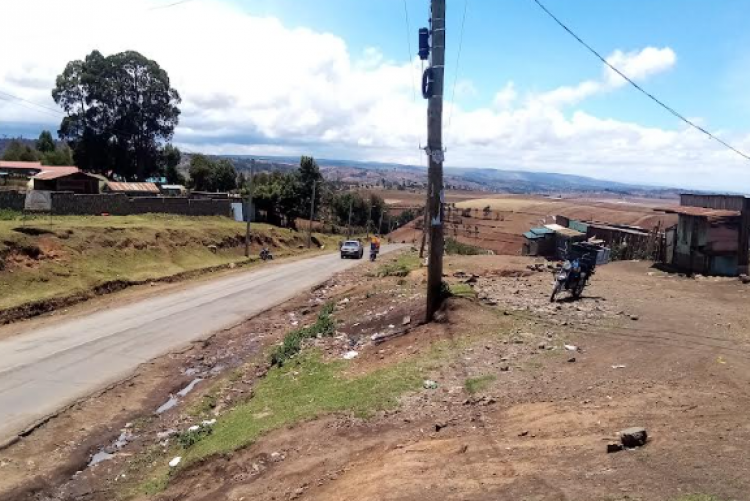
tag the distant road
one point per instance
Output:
(44, 369)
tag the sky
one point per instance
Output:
(339, 79)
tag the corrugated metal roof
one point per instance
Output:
(561, 230)
(56, 172)
(532, 236)
(541, 231)
(698, 211)
(131, 187)
(4, 164)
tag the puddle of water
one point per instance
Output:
(175, 399)
(99, 457)
(169, 404)
(189, 387)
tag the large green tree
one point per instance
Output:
(207, 174)
(120, 110)
(45, 143)
(171, 158)
(309, 175)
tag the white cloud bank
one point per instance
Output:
(253, 85)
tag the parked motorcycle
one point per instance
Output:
(266, 255)
(572, 277)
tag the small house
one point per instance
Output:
(173, 190)
(564, 239)
(539, 242)
(133, 189)
(66, 179)
(705, 241)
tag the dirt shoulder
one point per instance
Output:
(526, 397)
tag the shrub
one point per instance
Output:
(455, 247)
(324, 326)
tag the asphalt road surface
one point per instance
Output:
(45, 369)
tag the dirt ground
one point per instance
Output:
(501, 229)
(529, 394)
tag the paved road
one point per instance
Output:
(45, 369)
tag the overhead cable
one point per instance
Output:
(631, 82)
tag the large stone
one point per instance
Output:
(634, 437)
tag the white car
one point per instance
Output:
(352, 248)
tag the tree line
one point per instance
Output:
(44, 150)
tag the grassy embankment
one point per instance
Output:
(46, 258)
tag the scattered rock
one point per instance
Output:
(504, 368)
(570, 347)
(429, 384)
(542, 346)
(634, 317)
(634, 437)
(745, 279)
(619, 366)
(463, 449)
(213, 249)
(350, 355)
(277, 457)
(175, 462)
(440, 426)
(572, 359)
(523, 433)
(406, 320)
(613, 447)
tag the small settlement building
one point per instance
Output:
(705, 241)
(133, 189)
(68, 179)
(539, 242)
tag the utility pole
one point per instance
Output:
(436, 157)
(248, 208)
(380, 224)
(349, 226)
(312, 214)
(369, 218)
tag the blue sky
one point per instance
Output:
(513, 40)
(332, 78)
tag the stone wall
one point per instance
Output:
(70, 204)
(12, 200)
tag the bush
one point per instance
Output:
(455, 247)
(9, 215)
(324, 326)
(399, 268)
(189, 438)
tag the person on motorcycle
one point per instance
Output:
(374, 248)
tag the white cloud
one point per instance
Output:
(251, 84)
(506, 96)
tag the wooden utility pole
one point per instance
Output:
(312, 215)
(349, 226)
(248, 209)
(369, 218)
(435, 157)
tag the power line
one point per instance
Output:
(41, 107)
(160, 7)
(408, 46)
(458, 60)
(631, 82)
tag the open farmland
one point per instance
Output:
(498, 223)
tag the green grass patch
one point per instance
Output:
(474, 385)
(324, 326)
(454, 247)
(401, 267)
(303, 389)
(462, 290)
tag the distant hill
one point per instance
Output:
(480, 179)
